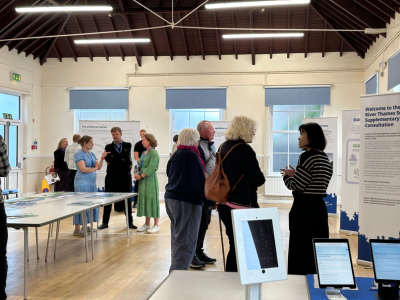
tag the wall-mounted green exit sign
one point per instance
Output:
(15, 77)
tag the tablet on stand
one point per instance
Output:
(385, 256)
(334, 266)
(259, 250)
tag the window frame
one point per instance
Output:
(377, 82)
(271, 138)
(76, 120)
(172, 130)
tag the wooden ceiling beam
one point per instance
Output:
(339, 24)
(116, 36)
(341, 47)
(234, 31)
(324, 40)
(9, 6)
(167, 38)
(42, 50)
(43, 59)
(306, 34)
(15, 21)
(253, 52)
(383, 8)
(184, 38)
(217, 35)
(80, 31)
(373, 10)
(135, 51)
(340, 18)
(150, 37)
(270, 26)
(57, 53)
(95, 27)
(391, 4)
(363, 15)
(46, 25)
(70, 46)
(201, 40)
(343, 36)
(288, 39)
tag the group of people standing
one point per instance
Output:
(190, 211)
(76, 166)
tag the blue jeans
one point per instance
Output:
(78, 218)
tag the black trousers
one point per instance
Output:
(205, 221)
(226, 218)
(71, 179)
(3, 252)
(308, 219)
(118, 184)
(135, 199)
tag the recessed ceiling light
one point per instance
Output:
(255, 4)
(261, 35)
(66, 8)
(111, 41)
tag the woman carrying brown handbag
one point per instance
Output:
(241, 160)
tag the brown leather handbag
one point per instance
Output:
(217, 185)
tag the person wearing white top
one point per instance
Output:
(69, 159)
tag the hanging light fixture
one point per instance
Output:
(262, 35)
(66, 8)
(112, 41)
(222, 5)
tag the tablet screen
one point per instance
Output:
(259, 244)
(334, 264)
(386, 258)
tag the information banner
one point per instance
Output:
(329, 126)
(220, 128)
(350, 169)
(100, 131)
(379, 200)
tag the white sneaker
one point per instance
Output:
(154, 229)
(144, 228)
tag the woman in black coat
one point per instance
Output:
(241, 161)
(61, 167)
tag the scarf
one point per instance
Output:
(194, 149)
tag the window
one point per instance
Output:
(10, 104)
(372, 84)
(98, 115)
(184, 118)
(396, 89)
(285, 122)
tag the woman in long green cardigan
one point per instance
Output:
(148, 201)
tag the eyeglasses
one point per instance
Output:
(254, 131)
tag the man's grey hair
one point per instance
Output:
(203, 125)
(188, 137)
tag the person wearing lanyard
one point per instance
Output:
(85, 178)
(148, 201)
(61, 167)
(137, 152)
(118, 178)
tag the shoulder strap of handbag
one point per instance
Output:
(230, 193)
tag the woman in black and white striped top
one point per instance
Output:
(308, 217)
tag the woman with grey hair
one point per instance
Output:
(242, 169)
(184, 197)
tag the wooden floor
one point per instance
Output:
(123, 268)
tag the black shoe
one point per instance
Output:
(196, 262)
(134, 205)
(132, 226)
(103, 226)
(205, 258)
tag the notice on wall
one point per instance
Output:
(100, 131)
(379, 199)
(329, 126)
(350, 169)
(220, 128)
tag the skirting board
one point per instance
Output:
(364, 263)
(348, 232)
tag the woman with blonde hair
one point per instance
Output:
(148, 202)
(61, 167)
(184, 198)
(242, 169)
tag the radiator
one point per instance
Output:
(274, 186)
